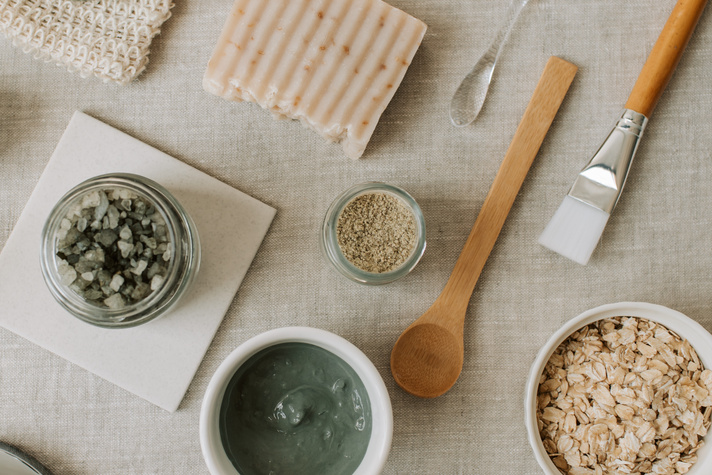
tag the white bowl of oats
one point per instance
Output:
(622, 388)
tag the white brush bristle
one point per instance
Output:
(574, 230)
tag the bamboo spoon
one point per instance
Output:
(427, 358)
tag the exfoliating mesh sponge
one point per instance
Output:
(109, 39)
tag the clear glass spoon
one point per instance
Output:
(469, 97)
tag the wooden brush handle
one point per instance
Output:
(665, 55)
(548, 96)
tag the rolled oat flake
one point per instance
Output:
(376, 232)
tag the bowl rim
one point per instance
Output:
(684, 326)
(381, 410)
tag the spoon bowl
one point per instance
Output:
(427, 359)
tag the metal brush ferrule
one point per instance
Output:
(600, 183)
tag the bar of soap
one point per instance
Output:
(334, 65)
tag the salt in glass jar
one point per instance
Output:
(177, 266)
(333, 252)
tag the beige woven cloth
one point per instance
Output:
(109, 39)
(657, 246)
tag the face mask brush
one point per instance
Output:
(577, 225)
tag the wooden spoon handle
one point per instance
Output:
(548, 96)
(666, 53)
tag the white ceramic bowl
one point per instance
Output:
(685, 327)
(379, 445)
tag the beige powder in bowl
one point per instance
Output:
(376, 232)
(624, 395)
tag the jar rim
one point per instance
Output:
(180, 273)
(329, 242)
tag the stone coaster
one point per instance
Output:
(156, 360)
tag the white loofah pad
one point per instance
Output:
(109, 39)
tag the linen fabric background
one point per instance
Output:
(657, 247)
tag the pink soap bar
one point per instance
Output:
(332, 64)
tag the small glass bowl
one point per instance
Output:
(330, 245)
(180, 273)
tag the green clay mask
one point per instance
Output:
(295, 408)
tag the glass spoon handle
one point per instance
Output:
(469, 97)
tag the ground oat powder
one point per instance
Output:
(376, 232)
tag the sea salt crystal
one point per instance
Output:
(140, 208)
(83, 265)
(64, 227)
(140, 267)
(95, 255)
(155, 268)
(75, 211)
(67, 274)
(125, 233)
(104, 277)
(140, 291)
(113, 215)
(149, 242)
(125, 248)
(106, 237)
(93, 294)
(82, 224)
(101, 208)
(156, 282)
(91, 200)
(115, 301)
(116, 282)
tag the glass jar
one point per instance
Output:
(178, 270)
(329, 237)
